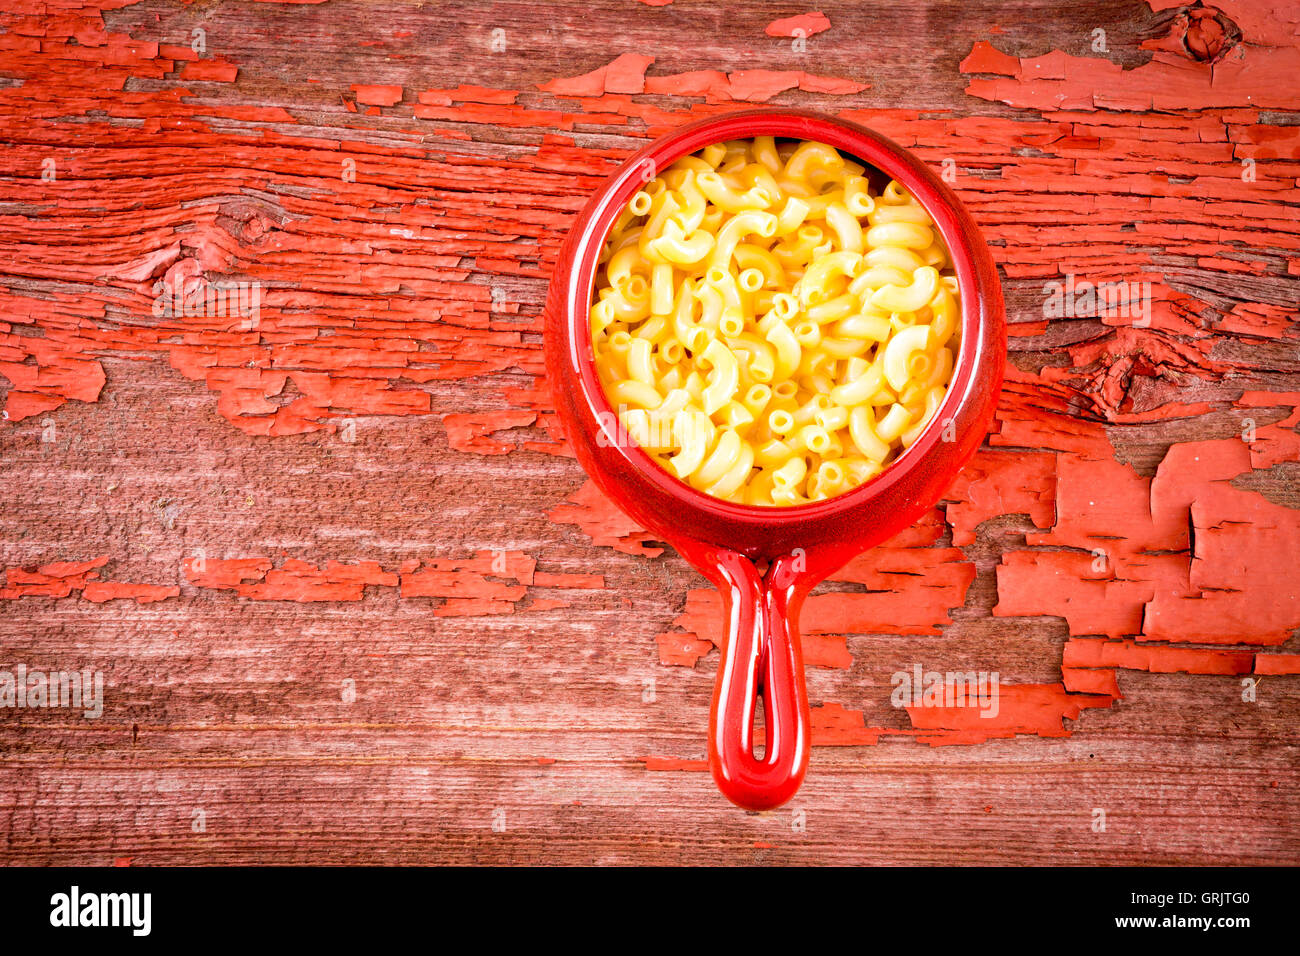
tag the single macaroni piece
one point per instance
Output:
(767, 329)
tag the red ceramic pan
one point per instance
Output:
(764, 561)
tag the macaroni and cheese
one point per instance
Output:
(768, 329)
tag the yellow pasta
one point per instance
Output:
(769, 330)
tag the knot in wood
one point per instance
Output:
(1208, 34)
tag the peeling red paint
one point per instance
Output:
(627, 74)
(1276, 443)
(1277, 664)
(1242, 580)
(802, 25)
(1002, 483)
(1037, 709)
(603, 522)
(58, 579)
(377, 95)
(682, 648)
(467, 587)
(835, 726)
(1129, 571)
(302, 581)
(471, 433)
(100, 591)
(211, 71)
(468, 94)
(1257, 74)
(1156, 659)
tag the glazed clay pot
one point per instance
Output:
(799, 545)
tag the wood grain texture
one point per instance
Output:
(243, 521)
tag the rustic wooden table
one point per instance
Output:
(351, 600)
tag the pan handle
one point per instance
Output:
(762, 658)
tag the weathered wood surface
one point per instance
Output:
(239, 525)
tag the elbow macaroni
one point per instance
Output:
(768, 330)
